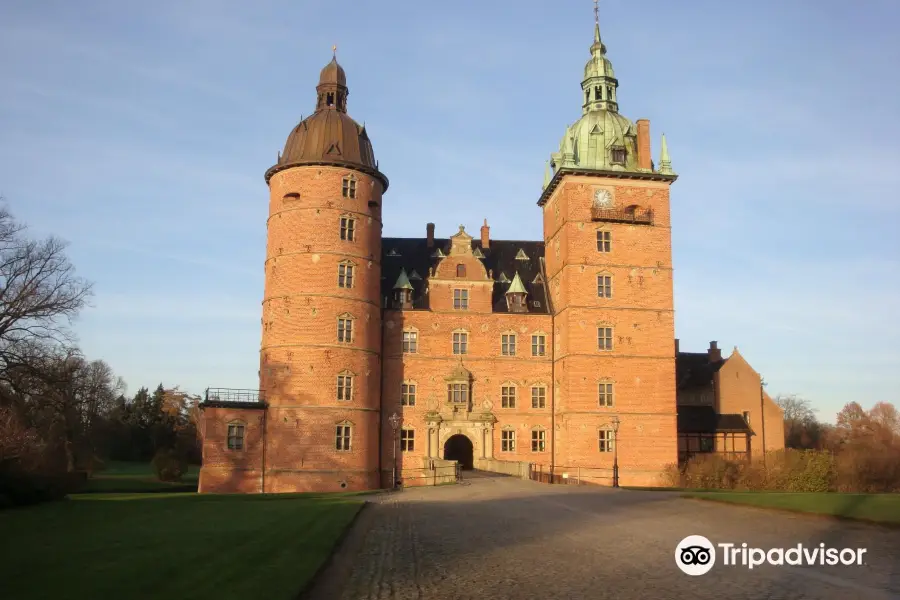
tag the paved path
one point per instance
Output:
(499, 537)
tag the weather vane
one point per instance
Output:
(597, 12)
(334, 48)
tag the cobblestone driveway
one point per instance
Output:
(499, 537)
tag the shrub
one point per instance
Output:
(169, 465)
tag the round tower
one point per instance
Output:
(320, 358)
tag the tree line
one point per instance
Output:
(61, 413)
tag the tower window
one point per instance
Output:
(609, 92)
(605, 338)
(587, 96)
(407, 440)
(538, 397)
(348, 229)
(604, 241)
(460, 342)
(538, 345)
(607, 440)
(345, 386)
(329, 98)
(348, 187)
(508, 396)
(410, 344)
(618, 155)
(507, 441)
(604, 286)
(342, 435)
(605, 394)
(538, 440)
(598, 92)
(461, 299)
(235, 437)
(508, 344)
(460, 270)
(345, 276)
(408, 394)
(345, 330)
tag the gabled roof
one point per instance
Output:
(693, 370)
(516, 286)
(499, 257)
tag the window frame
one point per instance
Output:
(346, 274)
(345, 329)
(509, 393)
(460, 346)
(348, 228)
(408, 391)
(344, 382)
(606, 394)
(604, 241)
(409, 341)
(606, 440)
(538, 440)
(239, 437)
(539, 396)
(460, 299)
(407, 439)
(606, 339)
(507, 440)
(604, 285)
(343, 437)
(458, 393)
(348, 187)
(538, 341)
(508, 344)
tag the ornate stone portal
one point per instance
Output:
(457, 417)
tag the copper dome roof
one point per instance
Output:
(329, 136)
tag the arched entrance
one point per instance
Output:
(459, 448)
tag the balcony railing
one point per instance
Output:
(217, 395)
(623, 215)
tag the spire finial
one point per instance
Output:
(334, 51)
(597, 13)
(665, 163)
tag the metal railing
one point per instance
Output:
(623, 215)
(234, 395)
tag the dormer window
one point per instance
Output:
(618, 156)
(460, 270)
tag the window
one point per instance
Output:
(507, 441)
(508, 344)
(598, 92)
(609, 92)
(410, 342)
(348, 187)
(605, 338)
(342, 437)
(605, 394)
(458, 393)
(407, 440)
(538, 440)
(348, 229)
(345, 386)
(460, 270)
(538, 397)
(345, 329)
(508, 396)
(707, 444)
(461, 299)
(460, 342)
(408, 394)
(235, 437)
(604, 241)
(345, 275)
(618, 155)
(604, 286)
(538, 345)
(607, 440)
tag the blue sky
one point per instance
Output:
(140, 133)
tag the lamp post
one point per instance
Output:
(615, 426)
(395, 426)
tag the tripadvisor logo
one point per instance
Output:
(696, 555)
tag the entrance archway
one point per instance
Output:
(459, 448)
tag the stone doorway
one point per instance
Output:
(459, 448)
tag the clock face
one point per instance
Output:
(602, 198)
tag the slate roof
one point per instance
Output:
(703, 419)
(499, 257)
(693, 370)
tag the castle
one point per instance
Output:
(383, 357)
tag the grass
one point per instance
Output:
(135, 477)
(168, 545)
(876, 508)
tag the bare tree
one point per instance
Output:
(39, 293)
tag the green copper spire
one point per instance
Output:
(516, 286)
(403, 281)
(665, 163)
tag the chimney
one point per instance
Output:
(485, 235)
(677, 346)
(643, 144)
(429, 229)
(715, 355)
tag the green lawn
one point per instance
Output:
(170, 545)
(133, 477)
(879, 508)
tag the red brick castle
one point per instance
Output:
(381, 353)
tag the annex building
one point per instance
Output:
(560, 352)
